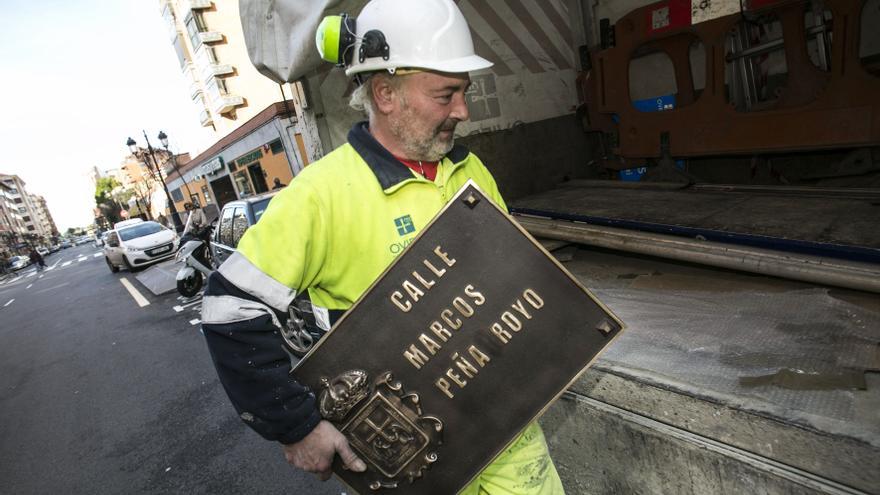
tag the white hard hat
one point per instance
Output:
(420, 34)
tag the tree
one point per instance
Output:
(105, 201)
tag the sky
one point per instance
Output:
(77, 78)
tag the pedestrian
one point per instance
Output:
(37, 259)
(277, 184)
(162, 219)
(328, 234)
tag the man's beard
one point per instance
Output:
(419, 142)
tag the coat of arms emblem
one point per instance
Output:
(383, 423)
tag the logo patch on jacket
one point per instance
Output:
(404, 225)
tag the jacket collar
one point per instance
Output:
(388, 170)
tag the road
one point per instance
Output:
(103, 394)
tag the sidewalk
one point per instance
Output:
(161, 278)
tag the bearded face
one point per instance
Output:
(429, 107)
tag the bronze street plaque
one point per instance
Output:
(471, 333)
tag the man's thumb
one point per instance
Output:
(349, 458)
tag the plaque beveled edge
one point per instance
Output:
(530, 238)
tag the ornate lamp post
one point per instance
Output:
(164, 139)
(135, 150)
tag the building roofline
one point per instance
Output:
(279, 109)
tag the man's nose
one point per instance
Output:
(459, 108)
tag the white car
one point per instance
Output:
(19, 262)
(139, 244)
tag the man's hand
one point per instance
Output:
(315, 452)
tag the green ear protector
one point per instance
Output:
(336, 38)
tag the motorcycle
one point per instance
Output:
(195, 253)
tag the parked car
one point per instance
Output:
(19, 262)
(43, 251)
(54, 248)
(139, 244)
(234, 220)
(65, 244)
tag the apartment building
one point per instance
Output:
(21, 217)
(24, 205)
(253, 126)
(47, 223)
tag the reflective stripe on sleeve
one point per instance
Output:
(247, 277)
(221, 310)
(322, 317)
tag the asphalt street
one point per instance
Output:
(109, 390)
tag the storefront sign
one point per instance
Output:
(212, 165)
(249, 158)
(462, 343)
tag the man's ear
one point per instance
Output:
(384, 94)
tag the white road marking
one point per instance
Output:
(29, 286)
(52, 288)
(31, 274)
(10, 302)
(138, 297)
(66, 263)
(97, 254)
(16, 279)
(82, 259)
(41, 276)
(195, 322)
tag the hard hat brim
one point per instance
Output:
(471, 63)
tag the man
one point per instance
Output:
(196, 221)
(277, 184)
(332, 231)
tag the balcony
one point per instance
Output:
(221, 69)
(199, 4)
(227, 103)
(189, 76)
(205, 118)
(210, 36)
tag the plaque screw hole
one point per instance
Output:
(605, 327)
(471, 200)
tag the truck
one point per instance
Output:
(710, 170)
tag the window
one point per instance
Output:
(224, 235)
(140, 230)
(176, 195)
(243, 183)
(31, 227)
(259, 207)
(207, 194)
(239, 225)
(26, 219)
(195, 25)
(168, 17)
(276, 146)
(17, 201)
(179, 50)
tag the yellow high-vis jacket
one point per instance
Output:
(338, 225)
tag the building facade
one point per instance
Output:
(246, 162)
(254, 128)
(224, 86)
(24, 219)
(47, 223)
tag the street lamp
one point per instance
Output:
(164, 139)
(132, 145)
